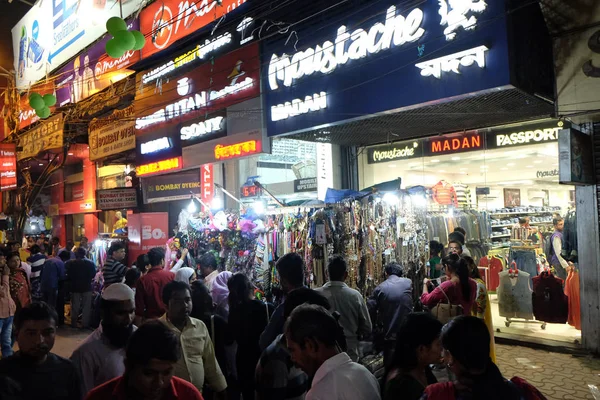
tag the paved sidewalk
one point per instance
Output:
(557, 376)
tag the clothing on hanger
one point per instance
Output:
(550, 304)
(514, 295)
(443, 193)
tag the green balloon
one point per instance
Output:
(36, 101)
(126, 39)
(140, 40)
(43, 112)
(115, 24)
(114, 49)
(49, 100)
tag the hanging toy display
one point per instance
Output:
(41, 104)
(123, 39)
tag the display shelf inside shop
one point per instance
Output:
(500, 236)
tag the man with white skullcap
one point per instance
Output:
(100, 357)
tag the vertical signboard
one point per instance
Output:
(8, 166)
(207, 182)
(324, 169)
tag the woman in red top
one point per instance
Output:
(19, 284)
(460, 289)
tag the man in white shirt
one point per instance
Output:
(349, 303)
(312, 336)
(101, 356)
(207, 265)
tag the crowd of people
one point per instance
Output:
(185, 330)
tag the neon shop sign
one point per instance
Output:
(198, 53)
(191, 102)
(397, 30)
(156, 145)
(316, 102)
(160, 166)
(202, 128)
(237, 150)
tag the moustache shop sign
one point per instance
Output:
(329, 76)
(326, 57)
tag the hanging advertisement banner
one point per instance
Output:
(93, 70)
(8, 166)
(112, 135)
(47, 135)
(116, 199)
(207, 179)
(165, 22)
(231, 79)
(171, 187)
(52, 32)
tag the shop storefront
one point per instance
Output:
(503, 189)
(391, 93)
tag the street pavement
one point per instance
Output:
(557, 376)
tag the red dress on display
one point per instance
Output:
(572, 292)
(495, 267)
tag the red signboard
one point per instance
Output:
(455, 144)
(27, 114)
(155, 227)
(251, 191)
(232, 79)
(145, 231)
(165, 22)
(77, 192)
(237, 150)
(8, 166)
(207, 181)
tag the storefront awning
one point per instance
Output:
(496, 107)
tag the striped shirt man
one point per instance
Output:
(36, 261)
(113, 271)
(277, 378)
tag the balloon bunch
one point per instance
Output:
(41, 104)
(123, 40)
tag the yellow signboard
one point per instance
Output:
(46, 136)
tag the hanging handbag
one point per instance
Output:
(445, 312)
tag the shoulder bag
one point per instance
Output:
(445, 312)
